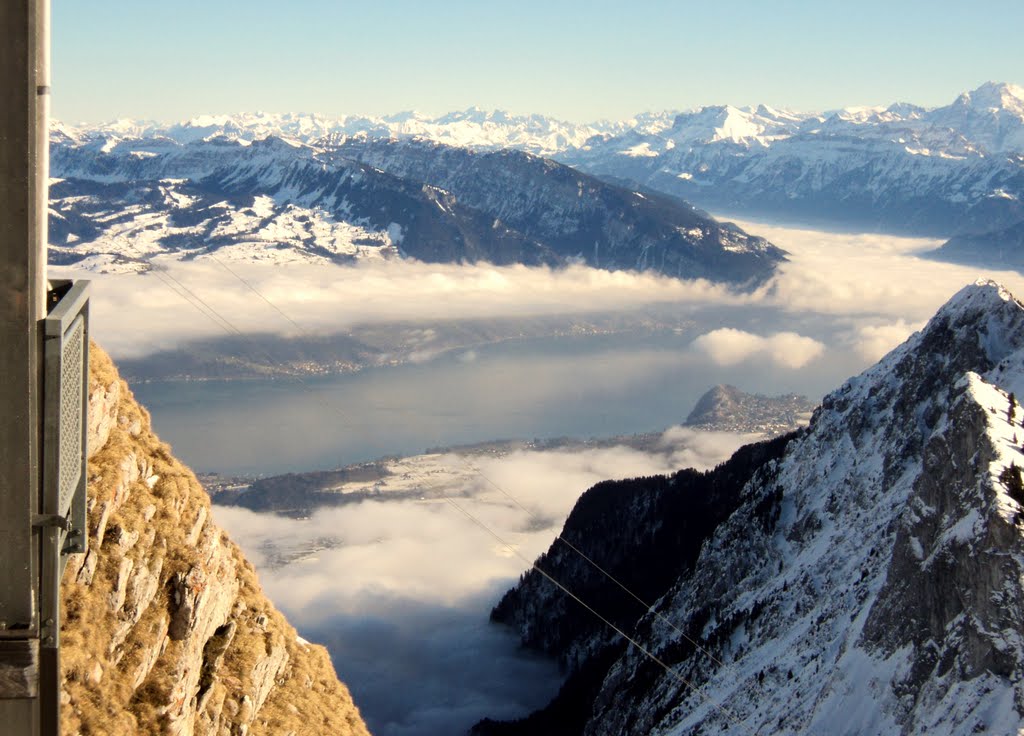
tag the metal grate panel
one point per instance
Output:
(72, 372)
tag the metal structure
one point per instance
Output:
(23, 180)
(62, 521)
(43, 390)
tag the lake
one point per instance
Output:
(582, 386)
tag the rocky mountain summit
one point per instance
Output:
(164, 626)
(726, 408)
(861, 576)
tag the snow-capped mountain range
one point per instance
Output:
(988, 120)
(472, 128)
(951, 170)
(865, 575)
(901, 168)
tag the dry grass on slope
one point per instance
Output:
(165, 628)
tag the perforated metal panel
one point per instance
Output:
(62, 517)
(72, 373)
(65, 420)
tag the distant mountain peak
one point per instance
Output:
(995, 95)
(727, 408)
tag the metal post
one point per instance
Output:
(24, 175)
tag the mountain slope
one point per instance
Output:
(267, 201)
(869, 580)
(578, 216)
(999, 248)
(164, 626)
(121, 203)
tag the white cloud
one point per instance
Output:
(729, 346)
(692, 448)
(864, 277)
(865, 274)
(402, 590)
(136, 314)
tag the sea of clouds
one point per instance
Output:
(874, 289)
(400, 591)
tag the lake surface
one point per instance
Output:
(584, 386)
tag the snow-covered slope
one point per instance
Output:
(868, 579)
(903, 168)
(121, 203)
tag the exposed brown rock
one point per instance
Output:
(165, 628)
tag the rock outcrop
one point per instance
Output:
(165, 629)
(725, 408)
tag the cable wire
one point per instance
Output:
(475, 469)
(231, 329)
(559, 538)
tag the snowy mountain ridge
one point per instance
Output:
(123, 204)
(985, 120)
(901, 168)
(473, 128)
(868, 578)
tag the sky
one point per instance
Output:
(572, 59)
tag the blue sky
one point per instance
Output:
(575, 60)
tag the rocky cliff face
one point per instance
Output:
(870, 579)
(164, 626)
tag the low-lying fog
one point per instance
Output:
(838, 305)
(403, 602)
(402, 591)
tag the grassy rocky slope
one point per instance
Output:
(165, 628)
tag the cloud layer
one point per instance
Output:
(137, 314)
(864, 278)
(400, 591)
(865, 274)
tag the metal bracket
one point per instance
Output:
(65, 398)
(40, 521)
